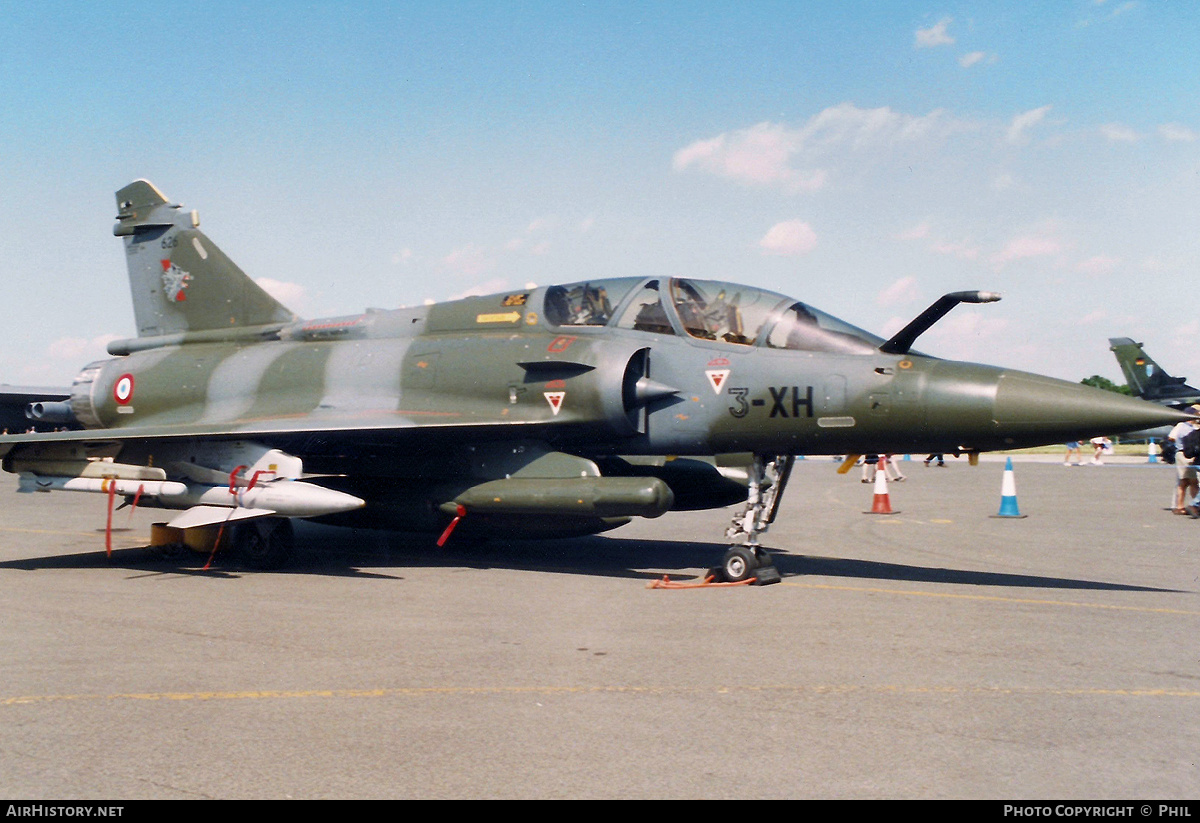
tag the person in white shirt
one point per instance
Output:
(1187, 485)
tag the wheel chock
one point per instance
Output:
(765, 576)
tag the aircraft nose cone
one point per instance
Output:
(1029, 404)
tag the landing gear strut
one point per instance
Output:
(768, 477)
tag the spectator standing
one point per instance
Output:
(1185, 470)
(1073, 449)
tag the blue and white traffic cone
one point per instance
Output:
(1008, 493)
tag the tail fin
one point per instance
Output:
(180, 280)
(1145, 377)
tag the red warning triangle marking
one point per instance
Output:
(717, 378)
(555, 399)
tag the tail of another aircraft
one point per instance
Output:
(180, 280)
(1146, 378)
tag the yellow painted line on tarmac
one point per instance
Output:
(992, 598)
(902, 520)
(549, 691)
(46, 531)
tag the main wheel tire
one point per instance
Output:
(265, 543)
(739, 564)
(762, 557)
(169, 551)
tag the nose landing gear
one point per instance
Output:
(768, 478)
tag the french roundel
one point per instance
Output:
(123, 389)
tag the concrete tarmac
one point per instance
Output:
(939, 652)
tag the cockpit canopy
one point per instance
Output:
(705, 310)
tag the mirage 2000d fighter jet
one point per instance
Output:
(538, 412)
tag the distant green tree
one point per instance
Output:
(1098, 382)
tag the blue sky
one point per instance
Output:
(864, 157)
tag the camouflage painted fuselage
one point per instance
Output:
(479, 370)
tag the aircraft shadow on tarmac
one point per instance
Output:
(340, 553)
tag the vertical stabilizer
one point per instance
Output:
(1146, 378)
(180, 280)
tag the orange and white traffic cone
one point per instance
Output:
(881, 504)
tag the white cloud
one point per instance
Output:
(758, 155)
(1176, 132)
(1121, 8)
(289, 294)
(1023, 247)
(903, 290)
(799, 159)
(893, 325)
(543, 226)
(935, 35)
(702, 151)
(975, 58)
(963, 250)
(847, 125)
(917, 232)
(484, 287)
(469, 260)
(1119, 133)
(1117, 11)
(1023, 122)
(540, 225)
(64, 354)
(70, 348)
(969, 334)
(790, 237)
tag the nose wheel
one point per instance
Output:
(742, 563)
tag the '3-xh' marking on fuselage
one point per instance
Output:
(783, 399)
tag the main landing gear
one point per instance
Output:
(768, 477)
(263, 543)
(260, 543)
